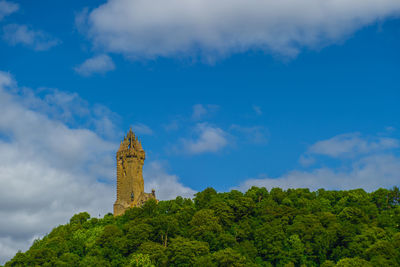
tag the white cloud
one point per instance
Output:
(200, 111)
(169, 28)
(207, 139)
(167, 186)
(306, 160)
(81, 20)
(350, 145)
(390, 129)
(7, 8)
(6, 80)
(369, 173)
(98, 64)
(70, 109)
(172, 126)
(50, 170)
(253, 134)
(15, 34)
(380, 167)
(142, 129)
(257, 110)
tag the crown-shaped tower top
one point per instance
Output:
(131, 144)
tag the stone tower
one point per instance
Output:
(130, 184)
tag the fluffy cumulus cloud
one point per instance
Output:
(98, 64)
(15, 34)
(207, 138)
(167, 28)
(375, 163)
(50, 170)
(7, 8)
(167, 186)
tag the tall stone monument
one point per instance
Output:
(130, 184)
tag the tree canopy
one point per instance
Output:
(295, 227)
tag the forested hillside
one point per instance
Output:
(256, 228)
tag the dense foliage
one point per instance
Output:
(258, 228)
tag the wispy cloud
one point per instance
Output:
(257, 110)
(174, 125)
(142, 129)
(15, 34)
(201, 111)
(353, 144)
(70, 109)
(7, 8)
(98, 64)
(251, 134)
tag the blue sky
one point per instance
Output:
(298, 94)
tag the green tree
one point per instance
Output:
(203, 199)
(79, 218)
(165, 227)
(328, 263)
(295, 227)
(205, 227)
(94, 261)
(140, 260)
(353, 262)
(229, 258)
(183, 252)
(69, 259)
(269, 240)
(295, 249)
(382, 253)
(136, 234)
(156, 252)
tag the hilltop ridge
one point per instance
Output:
(295, 227)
